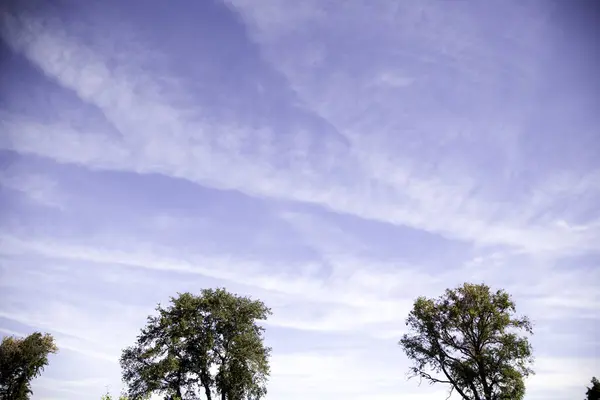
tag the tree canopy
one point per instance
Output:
(22, 360)
(593, 392)
(208, 344)
(108, 396)
(470, 339)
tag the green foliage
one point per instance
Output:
(469, 339)
(593, 392)
(209, 343)
(108, 396)
(22, 360)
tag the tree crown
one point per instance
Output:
(210, 342)
(469, 339)
(22, 360)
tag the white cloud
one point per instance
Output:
(159, 137)
(354, 306)
(329, 374)
(355, 300)
(37, 188)
(428, 175)
(394, 79)
(364, 295)
(74, 329)
(563, 374)
(92, 388)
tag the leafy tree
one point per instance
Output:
(22, 360)
(469, 338)
(593, 393)
(108, 396)
(208, 344)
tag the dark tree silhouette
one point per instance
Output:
(593, 392)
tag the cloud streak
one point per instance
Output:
(335, 161)
(168, 141)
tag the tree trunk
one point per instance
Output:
(178, 388)
(204, 381)
(208, 393)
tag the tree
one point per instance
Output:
(108, 396)
(593, 393)
(22, 360)
(469, 339)
(208, 344)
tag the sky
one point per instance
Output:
(334, 159)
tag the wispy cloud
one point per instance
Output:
(363, 179)
(356, 304)
(334, 160)
(35, 187)
(356, 298)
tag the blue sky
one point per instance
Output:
(334, 159)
